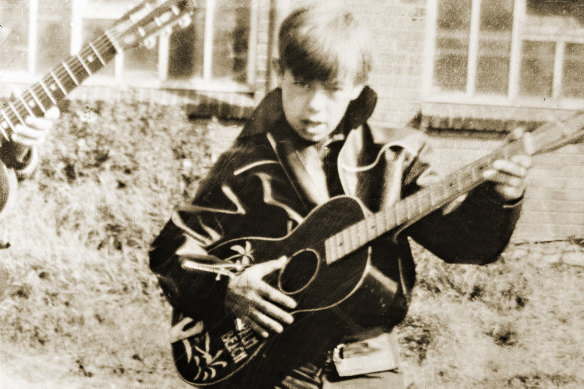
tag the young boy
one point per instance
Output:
(308, 141)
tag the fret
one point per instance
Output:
(421, 204)
(338, 245)
(432, 197)
(346, 245)
(389, 218)
(380, 221)
(10, 123)
(87, 69)
(66, 81)
(327, 251)
(56, 85)
(18, 115)
(400, 217)
(75, 66)
(39, 103)
(362, 231)
(90, 59)
(28, 109)
(354, 232)
(48, 92)
(3, 128)
(75, 80)
(407, 203)
(96, 52)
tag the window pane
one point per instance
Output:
(560, 15)
(537, 68)
(450, 67)
(494, 46)
(92, 30)
(14, 17)
(54, 34)
(573, 81)
(231, 40)
(141, 62)
(186, 49)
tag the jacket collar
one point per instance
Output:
(299, 157)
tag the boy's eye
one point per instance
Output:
(301, 84)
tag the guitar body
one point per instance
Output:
(331, 297)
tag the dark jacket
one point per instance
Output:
(270, 179)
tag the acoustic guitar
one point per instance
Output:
(328, 265)
(139, 25)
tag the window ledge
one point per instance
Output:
(480, 117)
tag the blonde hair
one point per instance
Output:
(324, 44)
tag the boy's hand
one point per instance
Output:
(256, 302)
(509, 175)
(36, 129)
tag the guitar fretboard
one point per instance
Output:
(414, 207)
(56, 84)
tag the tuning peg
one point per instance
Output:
(150, 42)
(185, 21)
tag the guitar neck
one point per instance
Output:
(414, 207)
(56, 84)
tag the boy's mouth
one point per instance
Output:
(311, 123)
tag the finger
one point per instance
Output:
(255, 326)
(27, 135)
(509, 193)
(501, 178)
(523, 160)
(517, 132)
(273, 311)
(510, 168)
(42, 123)
(53, 113)
(276, 296)
(268, 267)
(264, 321)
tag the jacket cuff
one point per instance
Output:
(23, 159)
(488, 193)
(29, 165)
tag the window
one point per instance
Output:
(508, 52)
(214, 52)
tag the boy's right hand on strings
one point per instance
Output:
(256, 302)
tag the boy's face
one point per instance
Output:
(314, 109)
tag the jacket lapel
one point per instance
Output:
(302, 165)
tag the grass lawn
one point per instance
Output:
(80, 308)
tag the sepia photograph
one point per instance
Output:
(279, 194)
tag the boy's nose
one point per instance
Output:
(317, 98)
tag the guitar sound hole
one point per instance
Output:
(299, 272)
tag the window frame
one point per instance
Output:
(432, 94)
(81, 10)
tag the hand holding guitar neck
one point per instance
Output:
(509, 174)
(36, 129)
(257, 303)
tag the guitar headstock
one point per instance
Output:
(150, 18)
(556, 134)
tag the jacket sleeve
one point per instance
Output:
(229, 204)
(23, 159)
(476, 231)
(190, 231)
